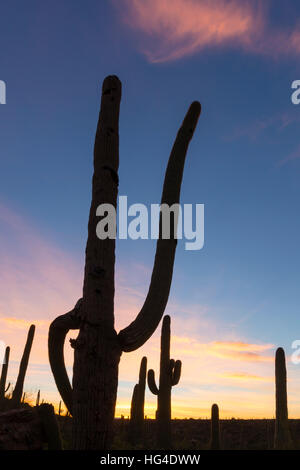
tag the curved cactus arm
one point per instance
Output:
(56, 340)
(7, 388)
(137, 333)
(176, 373)
(151, 382)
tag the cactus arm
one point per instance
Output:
(176, 373)
(151, 382)
(7, 388)
(18, 390)
(143, 372)
(282, 438)
(56, 339)
(137, 333)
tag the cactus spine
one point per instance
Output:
(169, 376)
(282, 433)
(215, 443)
(137, 405)
(18, 390)
(98, 348)
(4, 376)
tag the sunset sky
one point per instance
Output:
(236, 300)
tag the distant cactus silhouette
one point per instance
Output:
(37, 402)
(18, 390)
(170, 372)
(98, 348)
(3, 390)
(137, 406)
(215, 442)
(282, 432)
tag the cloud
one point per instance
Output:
(278, 123)
(246, 377)
(172, 29)
(295, 155)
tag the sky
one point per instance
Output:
(231, 303)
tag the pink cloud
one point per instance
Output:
(278, 122)
(172, 29)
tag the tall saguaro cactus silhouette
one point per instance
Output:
(98, 348)
(169, 376)
(282, 432)
(215, 442)
(18, 390)
(137, 405)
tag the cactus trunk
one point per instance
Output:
(165, 387)
(4, 376)
(37, 402)
(215, 443)
(136, 428)
(18, 390)
(282, 433)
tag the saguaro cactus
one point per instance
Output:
(215, 443)
(169, 376)
(137, 405)
(4, 375)
(282, 433)
(18, 390)
(37, 401)
(98, 348)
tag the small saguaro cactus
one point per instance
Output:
(170, 372)
(37, 402)
(282, 438)
(215, 443)
(137, 405)
(4, 375)
(98, 347)
(18, 390)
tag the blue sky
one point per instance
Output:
(243, 164)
